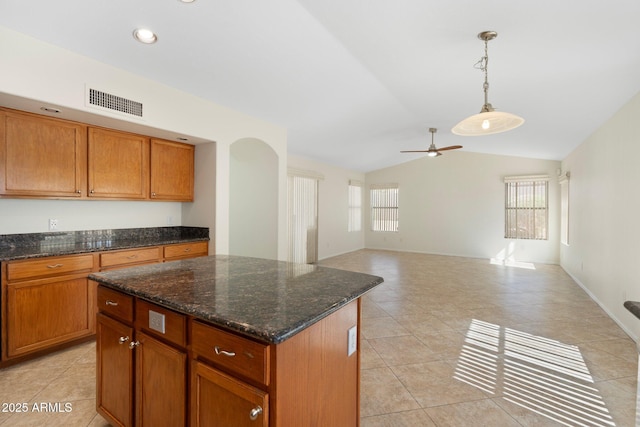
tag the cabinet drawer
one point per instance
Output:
(239, 355)
(132, 256)
(115, 303)
(161, 322)
(49, 266)
(186, 250)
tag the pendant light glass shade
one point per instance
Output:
(488, 121)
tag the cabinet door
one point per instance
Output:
(219, 400)
(41, 157)
(114, 371)
(161, 383)
(42, 313)
(172, 170)
(118, 165)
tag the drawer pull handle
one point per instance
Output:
(109, 302)
(123, 340)
(187, 249)
(224, 352)
(253, 414)
(55, 266)
(132, 257)
(133, 344)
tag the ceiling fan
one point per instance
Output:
(433, 151)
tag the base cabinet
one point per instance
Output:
(219, 400)
(114, 371)
(140, 380)
(201, 375)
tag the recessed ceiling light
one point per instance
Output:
(144, 36)
(187, 1)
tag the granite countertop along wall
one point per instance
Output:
(633, 307)
(265, 299)
(35, 245)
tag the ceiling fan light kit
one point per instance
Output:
(433, 151)
(488, 121)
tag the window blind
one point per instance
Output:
(526, 207)
(384, 207)
(355, 206)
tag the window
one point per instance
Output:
(303, 216)
(355, 205)
(384, 207)
(564, 208)
(526, 207)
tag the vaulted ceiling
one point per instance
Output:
(356, 81)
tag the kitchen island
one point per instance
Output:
(230, 341)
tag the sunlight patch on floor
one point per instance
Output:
(542, 375)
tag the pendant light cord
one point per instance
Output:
(482, 65)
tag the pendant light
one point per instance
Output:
(488, 121)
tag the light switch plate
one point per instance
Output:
(156, 321)
(352, 341)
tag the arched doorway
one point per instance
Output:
(253, 199)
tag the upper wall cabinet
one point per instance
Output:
(118, 165)
(172, 170)
(42, 157)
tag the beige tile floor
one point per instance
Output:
(446, 341)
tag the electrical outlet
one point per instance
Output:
(352, 345)
(53, 224)
(169, 220)
(156, 321)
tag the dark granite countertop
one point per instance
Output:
(264, 299)
(633, 307)
(36, 245)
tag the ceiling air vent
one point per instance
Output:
(115, 103)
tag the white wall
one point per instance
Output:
(454, 205)
(333, 206)
(604, 226)
(33, 73)
(253, 204)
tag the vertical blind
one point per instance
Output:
(526, 207)
(384, 207)
(302, 219)
(355, 206)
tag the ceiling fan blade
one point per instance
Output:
(415, 151)
(451, 147)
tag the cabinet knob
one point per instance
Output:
(109, 302)
(91, 191)
(253, 414)
(78, 191)
(223, 352)
(153, 194)
(123, 340)
(133, 344)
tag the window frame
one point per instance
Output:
(526, 207)
(384, 208)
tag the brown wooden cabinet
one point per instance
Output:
(185, 250)
(42, 157)
(118, 165)
(129, 257)
(309, 379)
(155, 392)
(46, 302)
(218, 399)
(172, 170)
(114, 371)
